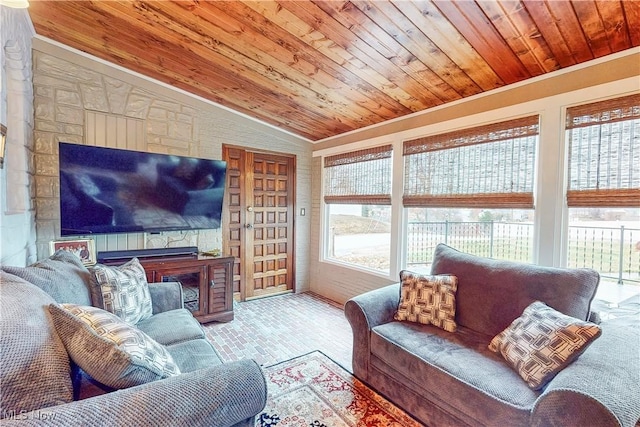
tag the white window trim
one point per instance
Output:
(551, 213)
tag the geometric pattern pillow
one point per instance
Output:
(542, 342)
(124, 290)
(108, 349)
(428, 299)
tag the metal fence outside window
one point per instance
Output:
(613, 252)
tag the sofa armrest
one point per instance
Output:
(166, 296)
(600, 387)
(223, 395)
(364, 312)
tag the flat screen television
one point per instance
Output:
(109, 190)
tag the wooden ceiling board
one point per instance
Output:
(559, 26)
(444, 74)
(516, 26)
(319, 69)
(326, 77)
(474, 25)
(632, 14)
(336, 42)
(426, 16)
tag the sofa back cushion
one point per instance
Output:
(493, 293)
(62, 275)
(35, 368)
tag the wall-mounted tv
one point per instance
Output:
(108, 190)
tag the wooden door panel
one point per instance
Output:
(233, 222)
(261, 212)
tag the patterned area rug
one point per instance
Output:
(314, 391)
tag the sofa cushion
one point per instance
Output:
(124, 290)
(506, 288)
(542, 342)
(62, 275)
(428, 300)
(35, 368)
(110, 350)
(171, 327)
(194, 355)
(454, 370)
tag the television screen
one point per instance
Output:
(108, 190)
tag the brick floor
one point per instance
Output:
(275, 329)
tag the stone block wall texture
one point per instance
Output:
(17, 208)
(67, 93)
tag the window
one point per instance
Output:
(357, 192)
(603, 193)
(472, 189)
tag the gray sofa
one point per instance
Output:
(447, 379)
(42, 386)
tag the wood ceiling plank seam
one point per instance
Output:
(170, 28)
(426, 16)
(390, 53)
(415, 77)
(234, 79)
(515, 25)
(613, 19)
(592, 26)
(555, 28)
(412, 38)
(402, 88)
(150, 69)
(482, 35)
(266, 86)
(358, 90)
(332, 70)
(350, 17)
(270, 76)
(631, 11)
(347, 106)
(364, 28)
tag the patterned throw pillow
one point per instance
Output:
(542, 342)
(111, 351)
(124, 290)
(428, 300)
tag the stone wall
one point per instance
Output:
(17, 227)
(65, 95)
(69, 88)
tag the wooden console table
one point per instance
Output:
(206, 282)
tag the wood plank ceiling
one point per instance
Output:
(322, 68)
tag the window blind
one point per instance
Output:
(359, 177)
(490, 166)
(604, 153)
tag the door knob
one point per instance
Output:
(250, 208)
(249, 226)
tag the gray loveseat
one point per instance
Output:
(41, 386)
(452, 379)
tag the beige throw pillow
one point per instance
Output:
(542, 342)
(124, 290)
(108, 349)
(428, 300)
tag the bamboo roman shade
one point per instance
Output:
(604, 153)
(359, 177)
(489, 166)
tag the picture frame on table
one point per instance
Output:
(85, 249)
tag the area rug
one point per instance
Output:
(314, 391)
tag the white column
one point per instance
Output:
(549, 232)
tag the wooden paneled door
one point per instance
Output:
(258, 222)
